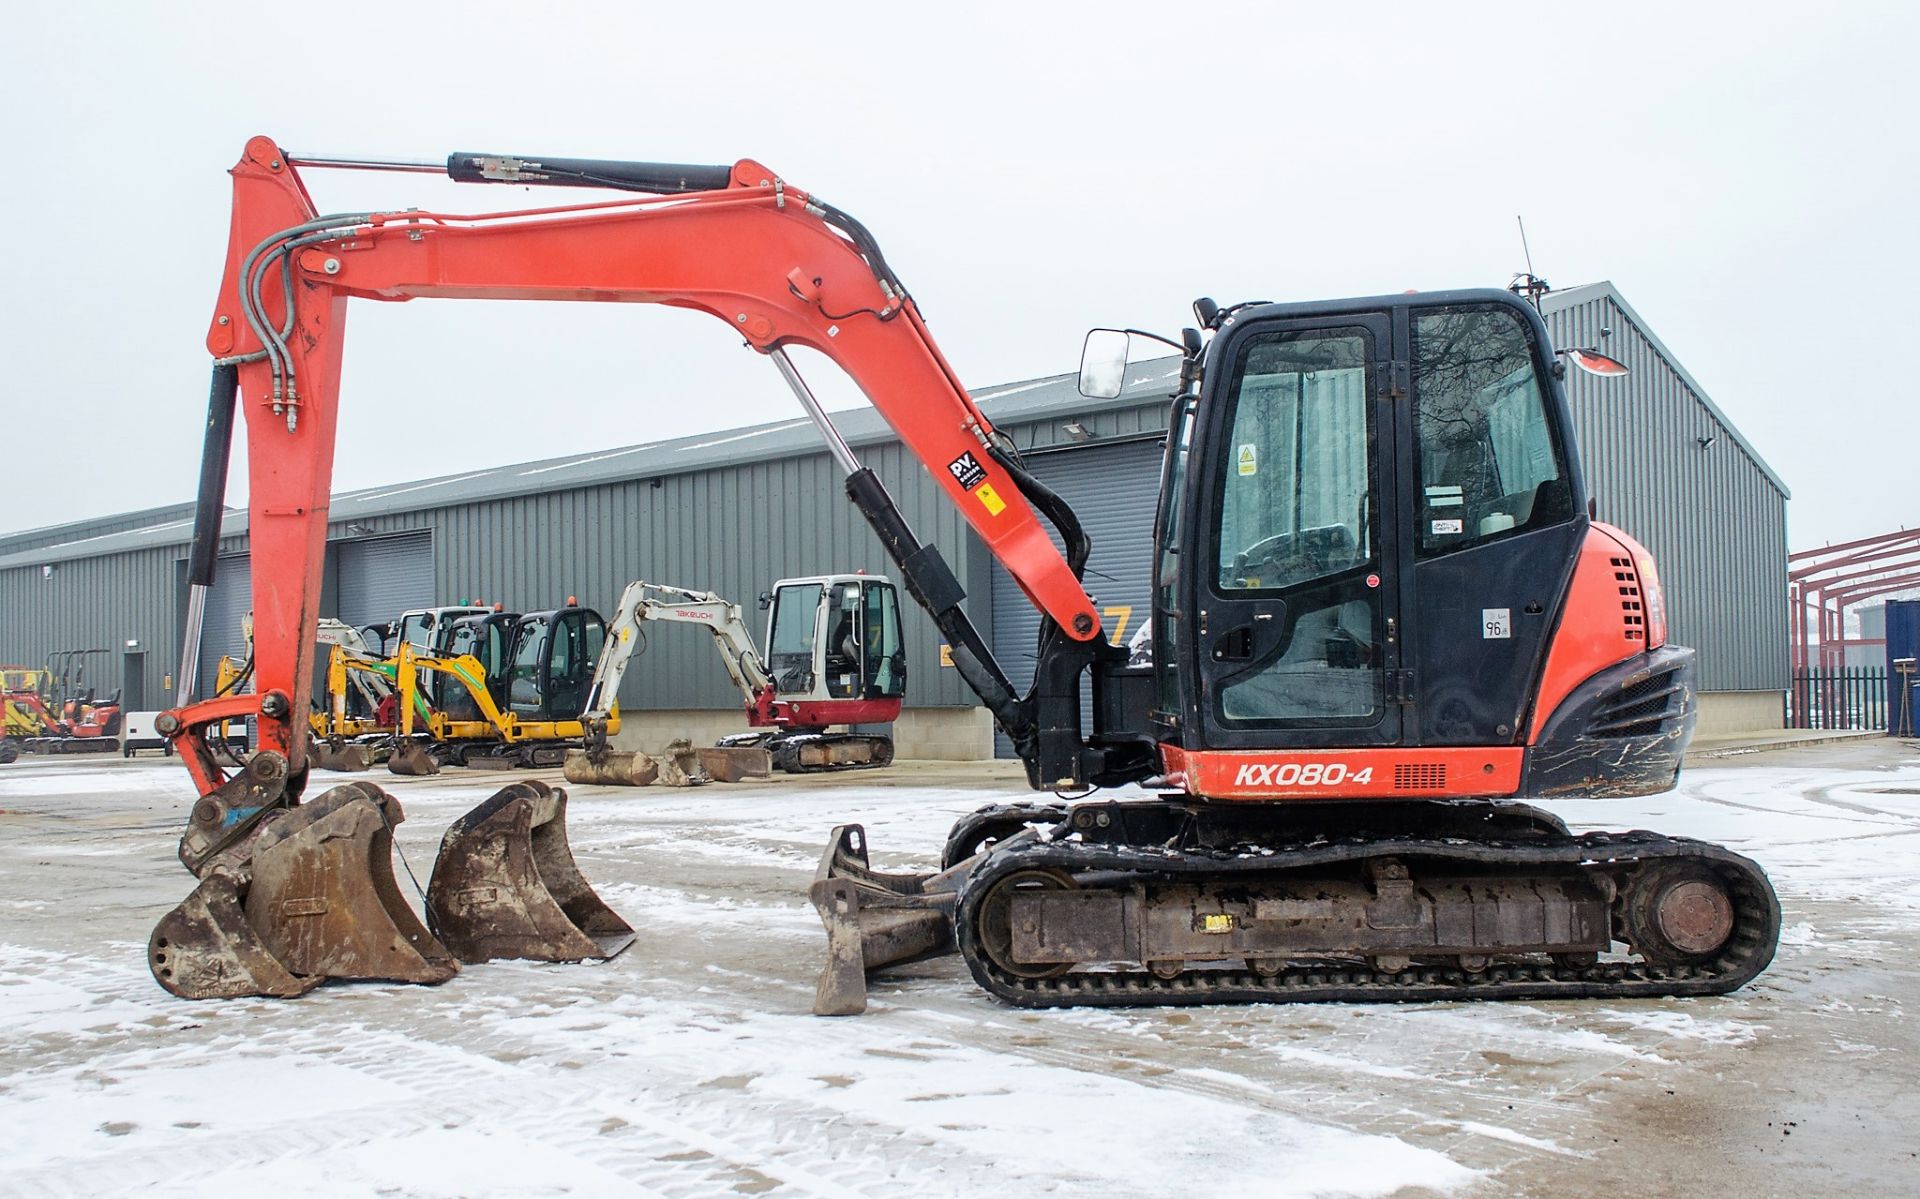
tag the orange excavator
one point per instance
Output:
(1384, 616)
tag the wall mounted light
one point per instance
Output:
(1708, 440)
(1076, 431)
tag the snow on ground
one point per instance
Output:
(691, 1065)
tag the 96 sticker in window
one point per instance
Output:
(1496, 624)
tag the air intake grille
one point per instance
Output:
(1641, 710)
(1628, 581)
(1420, 776)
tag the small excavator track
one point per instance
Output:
(1692, 872)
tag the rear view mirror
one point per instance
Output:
(1103, 364)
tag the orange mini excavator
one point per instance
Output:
(1383, 616)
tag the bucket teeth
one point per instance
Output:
(505, 885)
(874, 919)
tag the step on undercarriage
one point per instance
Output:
(294, 894)
(1168, 902)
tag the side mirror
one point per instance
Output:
(1103, 364)
(1594, 362)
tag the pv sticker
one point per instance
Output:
(967, 471)
(1249, 459)
(1496, 624)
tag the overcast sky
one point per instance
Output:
(1030, 169)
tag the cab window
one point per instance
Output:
(1488, 462)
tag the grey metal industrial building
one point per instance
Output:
(733, 511)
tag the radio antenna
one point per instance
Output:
(1530, 285)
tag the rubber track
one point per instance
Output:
(1747, 952)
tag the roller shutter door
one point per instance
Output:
(1113, 490)
(382, 577)
(227, 604)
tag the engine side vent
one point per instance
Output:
(1632, 613)
(1641, 710)
(1420, 776)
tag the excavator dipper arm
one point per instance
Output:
(777, 265)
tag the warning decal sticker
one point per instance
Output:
(1249, 459)
(990, 499)
(967, 471)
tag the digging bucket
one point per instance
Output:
(347, 757)
(505, 884)
(610, 768)
(875, 919)
(313, 898)
(412, 758)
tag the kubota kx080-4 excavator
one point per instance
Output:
(1383, 611)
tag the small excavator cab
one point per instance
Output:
(489, 640)
(554, 656)
(836, 637)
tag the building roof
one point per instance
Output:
(1007, 404)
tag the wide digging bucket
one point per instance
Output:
(875, 919)
(610, 768)
(348, 757)
(505, 885)
(412, 758)
(315, 899)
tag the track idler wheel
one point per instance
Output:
(993, 926)
(412, 758)
(506, 886)
(1677, 913)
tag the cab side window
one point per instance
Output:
(1488, 464)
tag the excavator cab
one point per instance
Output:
(489, 640)
(836, 637)
(554, 656)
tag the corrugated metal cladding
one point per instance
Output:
(1663, 464)
(381, 577)
(1113, 490)
(690, 515)
(223, 627)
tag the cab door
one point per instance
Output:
(1494, 515)
(1291, 616)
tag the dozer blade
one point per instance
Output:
(412, 758)
(505, 885)
(324, 899)
(875, 919)
(736, 763)
(610, 769)
(205, 949)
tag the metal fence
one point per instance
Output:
(1852, 698)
